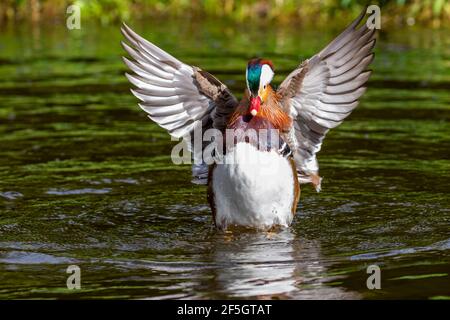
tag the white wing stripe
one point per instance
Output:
(149, 58)
(166, 111)
(141, 81)
(341, 108)
(133, 36)
(153, 91)
(349, 48)
(349, 85)
(142, 57)
(343, 98)
(350, 71)
(156, 100)
(361, 53)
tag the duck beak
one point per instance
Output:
(255, 105)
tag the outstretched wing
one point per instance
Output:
(324, 90)
(175, 95)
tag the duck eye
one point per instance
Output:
(265, 86)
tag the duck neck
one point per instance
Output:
(272, 111)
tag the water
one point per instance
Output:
(86, 178)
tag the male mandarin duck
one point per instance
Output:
(315, 97)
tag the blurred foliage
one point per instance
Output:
(427, 12)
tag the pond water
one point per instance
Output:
(87, 179)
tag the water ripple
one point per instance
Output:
(441, 245)
(65, 192)
(24, 257)
(11, 195)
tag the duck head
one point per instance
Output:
(259, 74)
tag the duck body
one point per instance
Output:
(256, 184)
(243, 194)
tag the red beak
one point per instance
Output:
(255, 105)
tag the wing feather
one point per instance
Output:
(324, 90)
(176, 96)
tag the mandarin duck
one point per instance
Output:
(314, 98)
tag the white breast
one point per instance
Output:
(253, 188)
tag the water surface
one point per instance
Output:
(86, 178)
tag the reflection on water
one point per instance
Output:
(85, 178)
(273, 265)
(257, 265)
